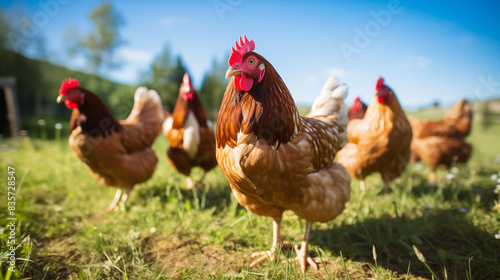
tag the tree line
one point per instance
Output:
(39, 79)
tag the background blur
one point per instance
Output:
(430, 52)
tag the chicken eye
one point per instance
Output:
(73, 92)
(251, 61)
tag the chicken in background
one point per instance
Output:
(455, 124)
(190, 134)
(116, 153)
(380, 142)
(442, 142)
(357, 110)
(276, 160)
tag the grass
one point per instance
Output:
(165, 231)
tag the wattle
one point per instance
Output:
(246, 83)
(381, 100)
(237, 80)
(70, 104)
(243, 82)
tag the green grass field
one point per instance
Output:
(165, 231)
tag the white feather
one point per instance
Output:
(167, 125)
(141, 94)
(331, 94)
(154, 95)
(191, 139)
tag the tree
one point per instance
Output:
(166, 77)
(99, 45)
(4, 25)
(21, 35)
(213, 88)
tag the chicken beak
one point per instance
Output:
(231, 72)
(60, 98)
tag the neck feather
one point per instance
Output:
(94, 117)
(267, 110)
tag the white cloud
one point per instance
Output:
(419, 61)
(76, 62)
(172, 21)
(133, 62)
(134, 55)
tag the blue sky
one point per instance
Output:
(426, 50)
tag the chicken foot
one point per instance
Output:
(302, 257)
(271, 254)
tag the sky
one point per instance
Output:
(427, 51)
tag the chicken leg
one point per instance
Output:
(362, 186)
(302, 256)
(189, 183)
(271, 254)
(198, 185)
(118, 195)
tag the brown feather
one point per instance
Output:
(456, 123)
(116, 153)
(436, 150)
(442, 142)
(380, 142)
(249, 112)
(93, 116)
(276, 160)
(205, 157)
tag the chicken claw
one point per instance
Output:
(263, 256)
(303, 258)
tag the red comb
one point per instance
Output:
(356, 105)
(187, 86)
(67, 84)
(237, 54)
(380, 83)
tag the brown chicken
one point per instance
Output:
(455, 124)
(380, 142)
(357, 110)
(116, 153)
(274, 159)
(191, 135)
(442, 142)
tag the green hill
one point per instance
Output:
(38, 86)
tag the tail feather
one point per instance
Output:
(461, 115)
(147, 105)
(331, 100)
(144, 123)
(167, 125)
